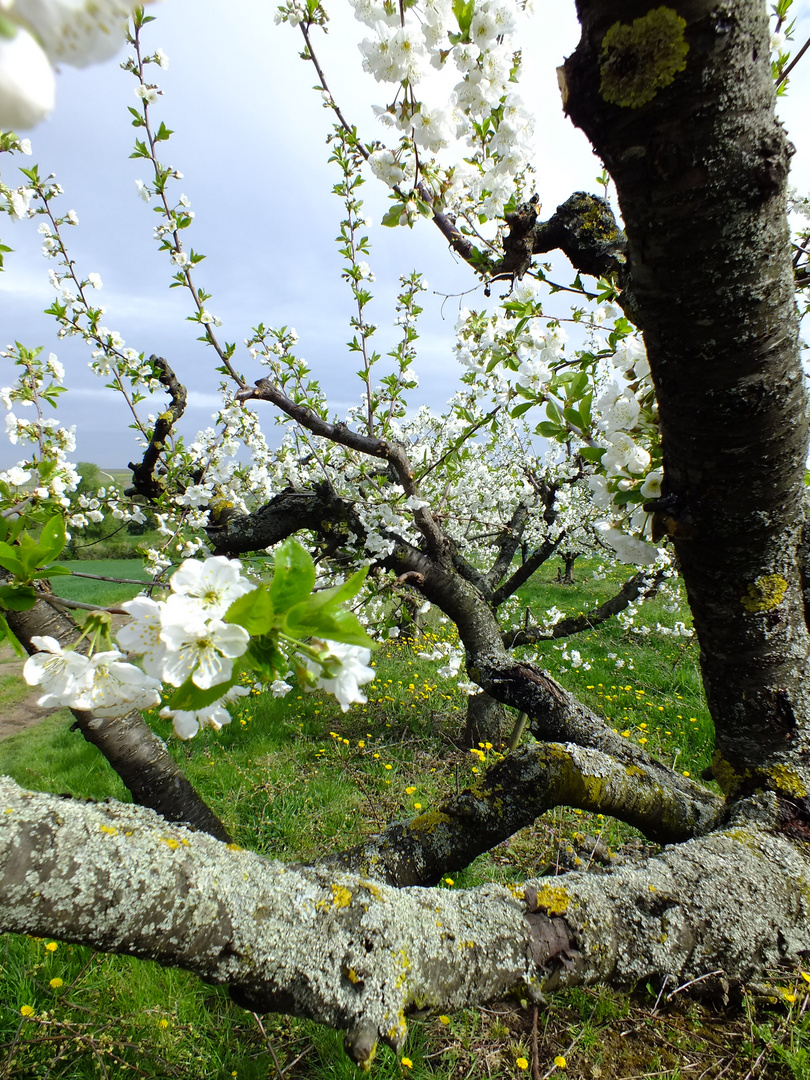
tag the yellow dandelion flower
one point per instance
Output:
(27, 1010)
(56, 983)
(449, 881)
(417, 806)
(522, 1063)
(560, 1061)
(52, 946)
(389, 766)
(410, 790)
(163, 1023)
(446, 1019)
(406, 1062)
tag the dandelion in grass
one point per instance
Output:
(56, 983)
(560, 1061)
(522, 1063)
(27, 1010)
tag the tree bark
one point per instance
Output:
(680, 106)
(121, 879)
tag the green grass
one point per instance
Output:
(294, 778)
(103, 593)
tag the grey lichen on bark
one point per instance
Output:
(121, 879)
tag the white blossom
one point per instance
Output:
(349, 671)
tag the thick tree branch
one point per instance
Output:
(119, 878)
(143, 473)
(524, 572)
(514, 793)
(508, 544)
(700, 164)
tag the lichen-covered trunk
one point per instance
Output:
(140, 758)
(121, 879)
(680, 106)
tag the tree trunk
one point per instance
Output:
(487, 721)
(681, 109)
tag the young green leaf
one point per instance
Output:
(293, 578)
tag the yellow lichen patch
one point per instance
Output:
(640, 58)
(765, 593)
(726, 775)
(341, 896)
(352, 976)
(553, 899)
(373, 890)
(634, 770)
(109, 829)
(233, 847)
(429, 821)
(787, 782)
(169, 841)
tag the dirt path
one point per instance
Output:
(22, 710)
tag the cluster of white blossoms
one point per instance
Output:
(45, 470)
(483, 109)
(102, 683)
(182, 638)
(37, 35)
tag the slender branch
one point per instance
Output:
(793, 63)
(333, 105)
(641, 584)
(393, 453)
(168, 213)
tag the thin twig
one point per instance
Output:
(793, 63)
(269, 1045)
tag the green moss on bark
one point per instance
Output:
(642, 57)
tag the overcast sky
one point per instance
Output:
(250, 142)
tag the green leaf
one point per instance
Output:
(550, 431)
(293, 578)
(573, 418)
(519, 410)
(464, 14)
(330, 622)
(593, 453)
(577, 385)
(553, 413)
(9, 560)
(54, 570)
(7, 634)
(52, 539)
(391, 217)
(18, 597)
(253, 611)
(191, 698)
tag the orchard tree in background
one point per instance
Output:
(694, 439)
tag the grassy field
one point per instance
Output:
(294, 778)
